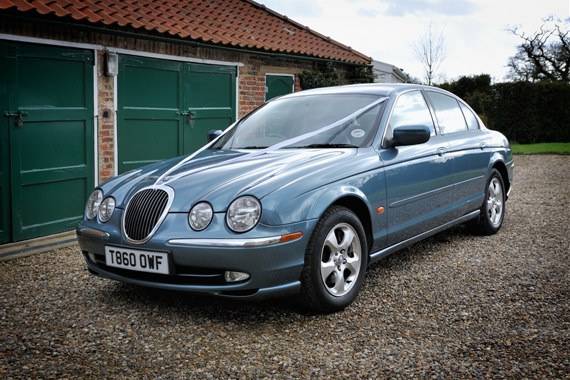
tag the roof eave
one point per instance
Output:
(129, 30)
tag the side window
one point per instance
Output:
(472, 122)
(447, 112)
(410, 109)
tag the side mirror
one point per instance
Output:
(410, 135)
(213, 134)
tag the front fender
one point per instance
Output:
(310, 205)
(284, 207)
(331, 195)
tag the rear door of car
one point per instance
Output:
(418, 179)
(460, 129)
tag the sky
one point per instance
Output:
(474, 30)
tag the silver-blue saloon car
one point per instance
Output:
(302, 195)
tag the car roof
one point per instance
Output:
(380, 89)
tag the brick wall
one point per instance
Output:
(252, 79)
(251, 72)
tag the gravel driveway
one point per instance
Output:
(455, 305)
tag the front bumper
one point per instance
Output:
(198, 260)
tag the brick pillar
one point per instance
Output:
(106, 122)
(251, 88)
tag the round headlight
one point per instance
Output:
(92, 206)
(243, 214)
(106, 209)
(200, 216)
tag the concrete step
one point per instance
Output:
(29, 247)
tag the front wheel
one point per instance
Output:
(493, 209)
(335, 261)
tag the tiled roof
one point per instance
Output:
(237, 23)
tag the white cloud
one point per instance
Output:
(296, 8)
(422, 7)
(475, 30)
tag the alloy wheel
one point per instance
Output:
(341, 258)
(495, 202)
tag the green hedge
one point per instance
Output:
(326, 75)
(525, 112)
(531, 112)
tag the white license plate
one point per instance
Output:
(134, 259)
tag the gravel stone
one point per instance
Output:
(455, 305)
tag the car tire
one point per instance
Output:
(335, 265)
(492, 211)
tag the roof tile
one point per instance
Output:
(240, 23)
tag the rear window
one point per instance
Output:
(447, 112)
(470, 118)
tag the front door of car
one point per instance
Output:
(418, 177)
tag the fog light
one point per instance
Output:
(231, 276)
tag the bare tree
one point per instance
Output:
(544, 54)
(430, 51)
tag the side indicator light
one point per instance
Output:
(290, 237)
(380, 210)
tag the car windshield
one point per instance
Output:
(308, 121)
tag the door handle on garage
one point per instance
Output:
(18, 115)
(441, 150)
(188, 114)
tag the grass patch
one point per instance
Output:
(544, 148)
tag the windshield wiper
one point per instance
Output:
(325, 146)
(250, 147)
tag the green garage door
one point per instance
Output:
(5, 216)
(165, 108)
(278, 85)
(46, 168)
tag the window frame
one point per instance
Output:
(383, 141)
(435, 112)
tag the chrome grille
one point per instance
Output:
(144, 212)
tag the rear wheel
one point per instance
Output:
(335, 261)
(492, 211)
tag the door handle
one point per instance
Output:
(18, 115)
(441, 150)
(188, 114)
(483, 145)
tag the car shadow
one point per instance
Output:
(201, 307)
(243, 312)
(424, 249)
